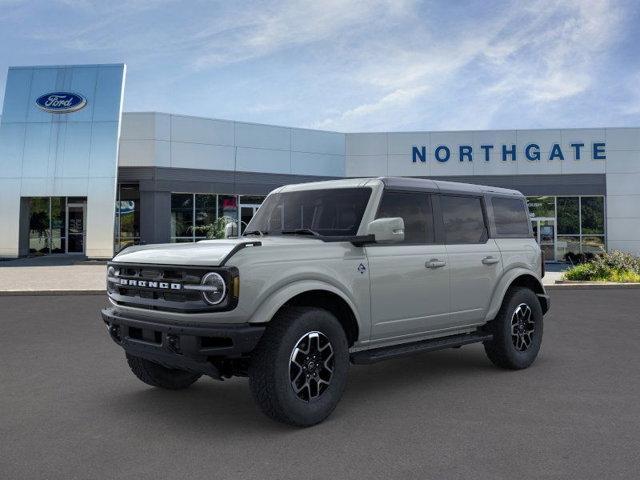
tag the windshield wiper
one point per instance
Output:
(260, 233)
(301, 231)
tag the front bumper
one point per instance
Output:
(191, 347)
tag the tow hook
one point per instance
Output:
(114, 331)
(172, 343)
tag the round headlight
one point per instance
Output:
(216, 288)
(111, 273)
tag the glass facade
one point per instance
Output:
(57, 225)
(127, 219)
(568, 225)
(189, 211)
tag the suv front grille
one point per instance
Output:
(158, 287)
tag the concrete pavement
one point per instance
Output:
(51, 275)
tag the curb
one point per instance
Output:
(590, 286)
(22, 293)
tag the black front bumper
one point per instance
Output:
(192, 347)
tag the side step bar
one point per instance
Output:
(374, 355)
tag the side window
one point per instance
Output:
(463, 219)
(415, 210)
(510, 216)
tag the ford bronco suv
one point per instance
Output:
(332, 273)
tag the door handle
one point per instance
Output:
(490, 260)
(434, 263)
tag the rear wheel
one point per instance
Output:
(298, 371)
(156, 375)
(517, 330)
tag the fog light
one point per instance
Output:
(215, 288)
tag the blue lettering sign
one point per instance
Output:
(466, 151)
(556, 152)
(535, 155)
(577, 147)
(442, 153)
(486, 149)
(598, 151)
(447, 153)
(419, 154)
(511, 151)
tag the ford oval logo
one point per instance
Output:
(61, 102)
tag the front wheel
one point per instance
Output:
(517, 331)
(298, 371)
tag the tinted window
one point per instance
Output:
(330, 212)
(463, 219)
(510, 216)
(414, 209)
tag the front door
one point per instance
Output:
(544, 231)
(75, 227)
(409, 280)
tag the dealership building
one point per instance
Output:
(80, 176)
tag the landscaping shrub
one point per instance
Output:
(614, 266)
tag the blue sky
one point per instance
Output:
(347, 65)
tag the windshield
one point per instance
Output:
(328, 212)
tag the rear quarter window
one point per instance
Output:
(463, 219)
(511, 217)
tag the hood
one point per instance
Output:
(203, 253)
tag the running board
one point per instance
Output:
(384, 353)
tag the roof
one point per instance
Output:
(405, 183)
(443, 186)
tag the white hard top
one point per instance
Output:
(403, 183)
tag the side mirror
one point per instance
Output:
(387, 230)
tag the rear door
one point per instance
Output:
(476, 264)
(409, 280)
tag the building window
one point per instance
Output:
(579, 221)
(542, 206)
(40, 225)
(182, 217)
(56, 225)
(127, 219)
(192, 210)
(592, 215)
(568, 215)
(205, 213)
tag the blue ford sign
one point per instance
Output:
(61, 102)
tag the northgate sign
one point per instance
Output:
(532, 152)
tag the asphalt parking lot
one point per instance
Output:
(70, 408)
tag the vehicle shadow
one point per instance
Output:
(229, 405)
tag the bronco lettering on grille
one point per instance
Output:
(145, 283)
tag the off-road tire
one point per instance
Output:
(156, 375)
(269, 372)
(501, 350)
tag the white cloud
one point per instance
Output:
(286, 24)
(348, 64)
(542, 52)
